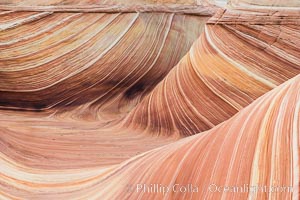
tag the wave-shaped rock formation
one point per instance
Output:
(96, 98)
(95, 54)
(257, 147)
(78, 74)
(240, 56)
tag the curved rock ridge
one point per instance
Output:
(258, 147)
(96, 97)
(76, 75)
(101, 58)
(240, 56)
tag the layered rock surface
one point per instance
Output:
(79, 74)
(240, 56)
(257, 147)
(97, 97)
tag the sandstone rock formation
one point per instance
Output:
(240, 56)
(110, 99)
(257, 147)
(81, 73)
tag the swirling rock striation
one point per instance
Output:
(96, 56)
(73, 76)
(92, 97)
(240, 56)
(259, 146)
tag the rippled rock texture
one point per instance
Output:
(110, 100)
(240, 56)
(81, 73)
